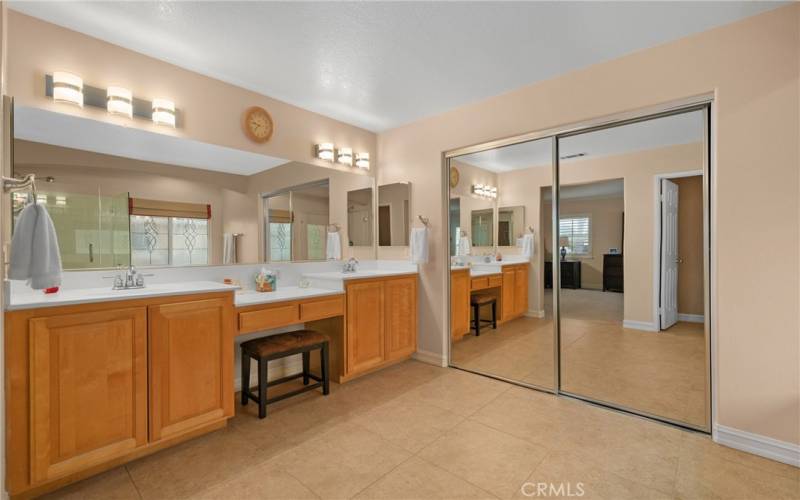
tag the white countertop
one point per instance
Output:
(366, 273)
(483, 272)
(36, 298)
(251, 297)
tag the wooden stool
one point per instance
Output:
(476, 301)
(264, 349)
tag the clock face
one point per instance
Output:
(258, 124)
(454, 177)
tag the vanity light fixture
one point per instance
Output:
(324, 151)
(344, 156)
(164, 112)
(484, 191)
(119, 101)
(362, 160)
(67, 88)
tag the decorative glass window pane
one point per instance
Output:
(189, 241)
(280, 246)
(316, 234)
(149, 240)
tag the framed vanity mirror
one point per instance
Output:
(121, 196)
(394, 202)
(360, 221)
(510, 225)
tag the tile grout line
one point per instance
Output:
(135, 487)
(454, 474)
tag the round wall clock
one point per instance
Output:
(258, 124)
(455, 175)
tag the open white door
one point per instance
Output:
(669, 254)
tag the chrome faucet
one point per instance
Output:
(350, 265)
(132, 279)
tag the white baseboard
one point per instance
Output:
(691, 318)
(763, 446)
(431, 358)
(640, 325)
(533, 313)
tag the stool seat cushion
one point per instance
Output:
(481, 299)
(283, 342)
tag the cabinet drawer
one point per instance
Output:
(273, 317)
(478, 283)
(322, 309)
(495, 281)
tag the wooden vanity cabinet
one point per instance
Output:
(514, 291)
(381, 322)
(191, 355)
(88, 386)
(459, 303)
(92, 386)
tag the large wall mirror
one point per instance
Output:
(394, 202)
(120, 196)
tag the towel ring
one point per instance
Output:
(333, 227)
(425, 221)
(11, 184)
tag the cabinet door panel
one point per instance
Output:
(365, 326)
(459, 304)
(191, 355)
(507, 294)
(520, 290)
(400, 296)
(88, 389)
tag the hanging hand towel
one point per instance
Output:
(527, 245)
(228, 249)
(333, 250)
(419, 245)
(463, 246)
(34, 249)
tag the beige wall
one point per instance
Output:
(470, 175)
(756, 117)
(690, 245)
(211, 110)
(606, 232)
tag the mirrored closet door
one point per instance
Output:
(501, 320)
(631, 250)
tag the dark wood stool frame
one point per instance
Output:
(261, 399)
(476, 323)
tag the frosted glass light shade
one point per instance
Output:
(164, 112)
(119, 101)
(67, 88)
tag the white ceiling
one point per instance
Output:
(69, 131)
(685, 128)
(382, 64)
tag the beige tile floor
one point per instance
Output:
(659, 373)
(415, 431)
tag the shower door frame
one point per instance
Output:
(702, 102)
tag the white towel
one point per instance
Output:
(463, 246)
(228, 248)
(34, 249)
(527, 245)
(419, 245)
(333, 250)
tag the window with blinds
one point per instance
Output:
(575, 233)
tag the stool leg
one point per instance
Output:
(494, 315)
(245, 377)
(262, 388)
(477, 320)
(325, 369)
(306, 364)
